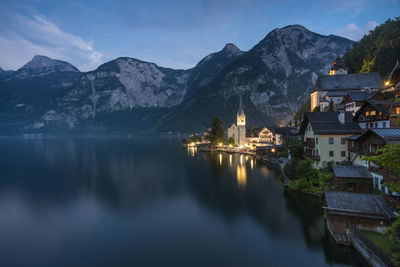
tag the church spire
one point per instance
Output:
(240, 103)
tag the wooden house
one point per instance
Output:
(352, 179)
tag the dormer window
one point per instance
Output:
(372, 113)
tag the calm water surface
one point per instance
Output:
(115, 201)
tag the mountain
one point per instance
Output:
(275, 77)
(127, 94)
(42, 65)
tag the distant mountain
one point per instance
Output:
(275, 76)
(42, 65)
(126, 94)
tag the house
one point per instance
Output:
(352, 179)
(354, 100)
(260, 135)
(324, 135)
(378, 114)
(336, 87)
(290, 134)
(238, 131)
(279, 132)
(367, 144)
(363, 211)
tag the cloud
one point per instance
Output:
(28, 36)
(355, 32)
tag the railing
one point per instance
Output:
(371, 245)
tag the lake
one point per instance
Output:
(119, 201)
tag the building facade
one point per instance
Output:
(238, 131)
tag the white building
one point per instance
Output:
(238, 131)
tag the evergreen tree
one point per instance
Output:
(217, 133)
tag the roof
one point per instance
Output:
(380, 105)
(356, 204)
(342, 171)
(361, 95)
(390, 135)
(253, 132)
(240, 111)
(337, 93)
(328, 123)
(282, 130)
(348, 81)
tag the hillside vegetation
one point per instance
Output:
(376, 52)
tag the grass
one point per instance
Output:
(379, 240)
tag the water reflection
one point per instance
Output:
(150, 202)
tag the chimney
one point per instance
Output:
(341, 116)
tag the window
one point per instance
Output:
(380, 113)
(372, 112)
(316, 140)
(342, 141)
(330, 153)
(352, 144)
(331, 140)
(384, 124)
(343, 153)
(376, 125)
(371, 125)
(397, 110)
(367, 113)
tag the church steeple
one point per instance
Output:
(241, 117)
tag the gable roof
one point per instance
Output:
(390, 135)
(348, 81)
(342, 171)
(362, 95)
(360, 205)
(328, 123)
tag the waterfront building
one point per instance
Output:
(260, 135)
(363, 211)
(367, 144)
(324, 135)
(378, 114)
(238, 131)
(356, 179)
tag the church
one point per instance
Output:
(238, 130)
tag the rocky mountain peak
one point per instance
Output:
(42, 65)
(232, 49)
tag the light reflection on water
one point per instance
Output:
(120, 202)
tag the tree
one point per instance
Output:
(217, 133)
(231, 141)
(389, 157)
(331, 106)
(296, 148)
(316, 109)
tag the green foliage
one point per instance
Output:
(231, 141)
(392, 234)
(217, 133)
(331, 106)
(377, 51)
(309, 179)
(296, 148)
(389, 157)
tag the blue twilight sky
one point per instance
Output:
(171, 33)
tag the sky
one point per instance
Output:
(170, 33)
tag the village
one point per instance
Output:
(333, 153)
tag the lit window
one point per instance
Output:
(331, 140)
(367, 113)
(397, 110)
(372, 113)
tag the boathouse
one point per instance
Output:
(356, 179)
